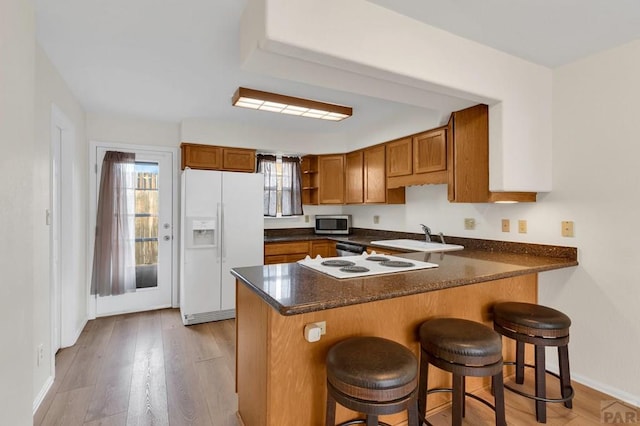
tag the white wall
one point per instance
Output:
(375, 42)
(17, 68)
(132, 130)
(596, 149)
(596, 179)
(246, 135)
(51, 89)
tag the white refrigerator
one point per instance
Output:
(222, 227)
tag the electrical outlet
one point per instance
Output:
(469, 223)
(306, 218)
(376, 219)
(567, 228)
(506, 225)
(522, 226)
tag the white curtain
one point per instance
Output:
(114, 262)
(267, 166)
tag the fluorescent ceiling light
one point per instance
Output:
(265, 101)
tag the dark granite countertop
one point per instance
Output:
(294, 289)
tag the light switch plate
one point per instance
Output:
(567, 228)
(506, 225)
(469, 223)
(522, 226)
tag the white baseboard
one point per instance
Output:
(601, 387)
(76, 334)
(42, 394)
(609, 390)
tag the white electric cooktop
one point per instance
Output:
(363, 265)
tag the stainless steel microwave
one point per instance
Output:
(333, 224)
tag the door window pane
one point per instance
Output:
(146, 224)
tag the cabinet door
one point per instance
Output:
(324, 248)
(238, 159)
(201, 157)
(354, 165)
(375, 185)
(399, 158)
(430, 151)
(331, 179)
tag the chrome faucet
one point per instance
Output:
(428, 234)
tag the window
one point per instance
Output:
(146, 214)
(282, 189)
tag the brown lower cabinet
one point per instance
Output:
(292, 251)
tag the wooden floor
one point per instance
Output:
(149, 369)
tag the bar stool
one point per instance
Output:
(463, 348)
(374, 376)
(541, 326)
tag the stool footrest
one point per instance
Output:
(538, 398)
(470, 395)
(361, 422)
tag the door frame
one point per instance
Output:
(59, 217)
(93, 205)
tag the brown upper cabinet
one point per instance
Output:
(430, 151)
(331, 179)
(375, 183)
(354, 177)
(418, 159)
(400, 157)
(456, 154)
(468, 160)
(209, 157)
(365, 178)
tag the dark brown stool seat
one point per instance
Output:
(463, 348)
(540, 326)
(374, 376)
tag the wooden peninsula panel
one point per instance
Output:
(281, 377)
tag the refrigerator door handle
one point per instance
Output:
(223, 249)
(219, 232)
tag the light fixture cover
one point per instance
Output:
(266, 101)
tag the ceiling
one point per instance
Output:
(172, 60)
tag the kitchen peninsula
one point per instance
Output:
(280, 377)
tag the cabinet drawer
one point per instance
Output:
(296, 247)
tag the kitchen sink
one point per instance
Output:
(417, 245)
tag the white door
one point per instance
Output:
(154, 233)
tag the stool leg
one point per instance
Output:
(422, 385)
(330, 418)
(458, 400)
(497, 387)
(464, 396)
(541, 408)
(372, 420)
(412, 413)
(565, 376)
(519, 363)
